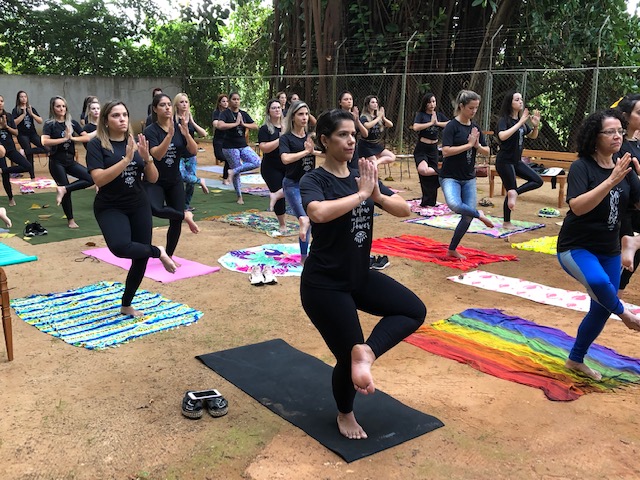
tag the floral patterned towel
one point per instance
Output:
(438, 209)
(263, 222)
(449, 222)
(283, 258)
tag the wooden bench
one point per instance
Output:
(548, 159)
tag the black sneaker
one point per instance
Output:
(217, 407)
(29, 230)
(381, 263)
(191, 408)
(372, 260)
(40, 230)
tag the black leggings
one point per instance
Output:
(167, 201)
(128, 235)
(630, 223)
(508, 173)
(334, 314)
(273, 178)
(21, 165)
(426, 152)
(59, 175)
(25, 142)
(217, 152)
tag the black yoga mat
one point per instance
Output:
(297, 387)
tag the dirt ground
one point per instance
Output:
(71, 413)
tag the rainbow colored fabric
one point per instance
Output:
(522, 351)
(90, 316)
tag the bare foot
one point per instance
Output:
(178, 265)
(512, 196)
(304, 227)
(507, 225)
(630, 320)
(240, 201)
(203, 186)
(274, 197)
(4, 217)
(362, 358)
(60, 193)
(484, 219)
(629, 248)
(72, 224)
(582, 368)
(188, 217)
(455, 254)
(12, 203)
(167, 263)
(225, 181)
(349, 427)
(131, 311)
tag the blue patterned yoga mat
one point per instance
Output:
(90, 316)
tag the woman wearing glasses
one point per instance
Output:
(599, 190)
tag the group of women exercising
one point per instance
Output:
(144, 177)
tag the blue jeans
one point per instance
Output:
(460, 196)
(600, 275)
(294, 200)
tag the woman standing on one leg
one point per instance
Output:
(512, 128)
(189, 165)
(336, 280)
(91, 119)
(375, 121)
(599, 190)
(299, 157)
(26, 117)
(272, 169)
(57, 134)
(218, 136)
(345, 102)
(168, 142)
(461, 139)
(121, 206)
(239, 155)
(7, 131)
(428, 123)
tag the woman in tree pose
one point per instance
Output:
(375, 121)
(599, 189)
(272, 169)
(240, 156)
(168, 142)
(512, 128)
(121, 207)
(189, 165)
(85, 105)
(3, 211)
(218, 136)
(461, 140)
(7, 131)
(336, 279)
(58, 134)
(91, 119)
(345, 102)
(299, 156)
(428, 123)
(26, 117)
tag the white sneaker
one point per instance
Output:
(256, 277)
(269, 277)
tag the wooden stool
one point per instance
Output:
(6, 314)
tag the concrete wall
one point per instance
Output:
(134, 92)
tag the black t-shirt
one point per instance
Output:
(433, 131)
(63, 153)
(339, 254)
(234, 137)
(289, 143)
(462, 165)
(169, 165)
(89, 128)
(124, 192)
(6, 139)
(218, 134)
(511, 148)
(597, 230)
(28, 124)
(273, 157)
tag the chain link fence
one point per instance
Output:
(564, 97)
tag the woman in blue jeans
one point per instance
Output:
(461, 140)
(598, 193)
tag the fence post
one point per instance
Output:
(335, 74)
(489, 87)
(594, 98)
(403, 95)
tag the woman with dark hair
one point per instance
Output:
(92, 114)
(7, 131)
(218, 136)
(168, 143)
(599, 190)
(461, 140)
(374, 120)
(284, 104)
(336, 280)
(121, 207)
(512, 128)
(85, 105)
(239, 155)
(25, 117)
(58, 134)
(271, 168)
(345, 102)
(428, 123)
(3, 211)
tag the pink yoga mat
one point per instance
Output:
(155, 270)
